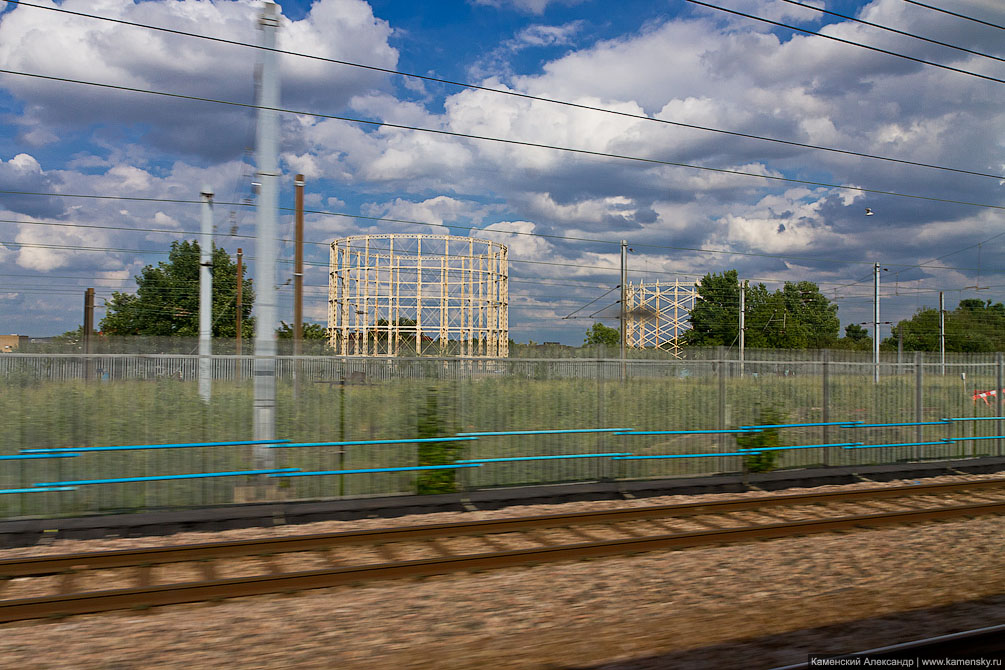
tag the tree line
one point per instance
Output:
(799, 316)
(795, 316)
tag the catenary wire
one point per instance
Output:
(816, 259)
(485, 138)
(193, 284)
(840, 286)
(515, 232)
(959, 16)
(570, 315)
(883, 295)
(521, 261)
(892, 30)
(510, 93)
(322, 292)
(844, 41)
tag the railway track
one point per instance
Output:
(63, 585)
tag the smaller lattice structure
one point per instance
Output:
(657, 315)
(414, 295)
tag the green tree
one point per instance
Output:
(856, 338)
(855, 332)
(715, 317)
(70, 341)
(974, 326)
(167, 298)
(797, 316)
(71, 337)
(311, 331)
(808, 319)
(599, 334)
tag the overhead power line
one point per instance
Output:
(959, 16)
(815, 259)
(577, 265)
(754, 254)
(570, 315)
(892, 30)
(514, 94)
(844, 41)
(976, 244)
(484, 138)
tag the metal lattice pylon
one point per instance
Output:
(410, 294)
(657, 315)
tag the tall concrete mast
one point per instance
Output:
(267, 215)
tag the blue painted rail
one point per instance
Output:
(39, 489)
(375, 470)
(353, 443)
(543, 432)
(686, 432)
(72, 452)
(540, 458)
(135, 447)
(862, 445)
(642, 458)
(155, 478)
(940, 422)
(799, 425)
(804, 446)
(30, 457)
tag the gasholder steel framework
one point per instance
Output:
(657, 315)
(418, 294)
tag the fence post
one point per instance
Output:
(88, 331)
(721, 424)
(919, 396)
(602, 471)
(998, 398)
(826, 374)
(720, 365)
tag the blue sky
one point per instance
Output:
(673, 61)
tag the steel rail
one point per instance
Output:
(216, 589)
(50, 565)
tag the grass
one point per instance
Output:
(75, 413)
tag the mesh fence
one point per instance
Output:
(58, 400)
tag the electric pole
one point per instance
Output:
(900, 347)
(942, 332)
(875, 323)
(743, 320)
(240, 301)
(206, 296)
(88, 329)
(624, 304)
(298, 281)
(267, 214)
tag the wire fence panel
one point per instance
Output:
(53, 400)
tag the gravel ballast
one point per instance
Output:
(562, 615)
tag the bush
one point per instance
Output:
(769, 437)
(433, 421)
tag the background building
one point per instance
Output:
(9, 343)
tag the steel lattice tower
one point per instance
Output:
(402, 294)
(657, 315)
